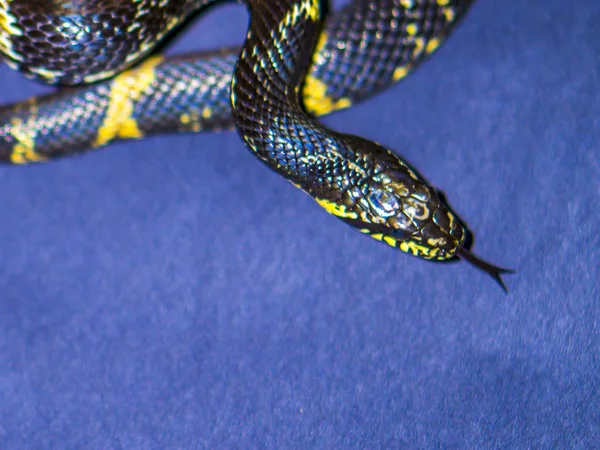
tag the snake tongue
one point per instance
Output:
(493, 271)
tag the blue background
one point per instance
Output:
(174, 293)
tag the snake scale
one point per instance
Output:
(296, 64)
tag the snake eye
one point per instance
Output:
(383, 203)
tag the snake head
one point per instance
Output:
(394, 206)
(398, 208)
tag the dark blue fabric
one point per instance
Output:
(174, 293)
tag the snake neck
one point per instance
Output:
(267, 79)
(357, 180)
(267, 107)
(269, 116)
(277, 51)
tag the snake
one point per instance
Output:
(298, 62)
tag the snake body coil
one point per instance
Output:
(289, 65)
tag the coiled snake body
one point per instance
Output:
(291, 68)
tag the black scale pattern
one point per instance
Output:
(190, 84)
(370, 53)
(80, 38)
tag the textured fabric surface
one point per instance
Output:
(174, 293)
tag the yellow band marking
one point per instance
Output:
(312, 9)
(47, 74)
(401, 72)
(451, 219)
(25, 134)
(307, 8)
(316, 100)
(206, 113)
(125, 89)
(314, 93)
(192, 119)
(24, 149)
(335, 209)
(419, 46)
(414, 248)
(434, 242)
(412, 29)
(7, 30)
(381, 237)
(411, 247)
(251, 144)
(449, 14)
(319, 56)
(390, 241)
(432, 45)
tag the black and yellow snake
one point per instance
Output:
(294, 65)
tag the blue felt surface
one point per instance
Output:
(174, 293)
